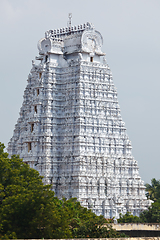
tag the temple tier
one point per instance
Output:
(70, 127)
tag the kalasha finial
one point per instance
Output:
(69, 19)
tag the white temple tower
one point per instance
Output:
(70, 128)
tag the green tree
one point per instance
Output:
(84, 223)
(128, 218)
(28, 208)
(153, 190)
(152, 215)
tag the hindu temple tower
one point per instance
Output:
(70, 127)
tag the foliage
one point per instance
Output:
(153, 190)
(29, 209)
(128, 218)
(152, 215)
(84, 223)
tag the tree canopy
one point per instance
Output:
(128, 218)
(152, 215)
(29, 209)
(153, 190)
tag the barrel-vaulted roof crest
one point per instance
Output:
(62, 32)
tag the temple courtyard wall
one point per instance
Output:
(132, 238)
(134, 231)
(137, 230)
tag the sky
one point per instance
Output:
(131, 35)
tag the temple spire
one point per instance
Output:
(70, 127)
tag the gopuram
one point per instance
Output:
(70, 127)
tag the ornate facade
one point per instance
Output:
(70, 127)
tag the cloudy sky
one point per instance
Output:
(130, 29)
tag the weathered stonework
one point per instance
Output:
(70, 128)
